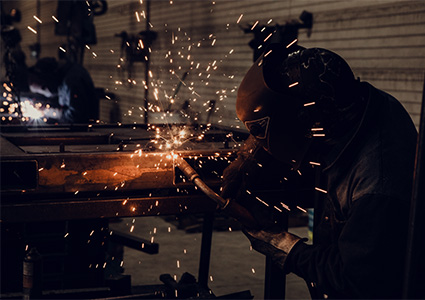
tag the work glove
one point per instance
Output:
(277, 246)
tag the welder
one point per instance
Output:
(305, 105)
(68, 86)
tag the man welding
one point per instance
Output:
(305, 105)
(70, 84)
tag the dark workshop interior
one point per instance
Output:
(120, 119)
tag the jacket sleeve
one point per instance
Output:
(367, 260)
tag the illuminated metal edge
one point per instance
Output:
(52, 199)
(104, 208)
(73, 173)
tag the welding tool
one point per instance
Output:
(231, 207)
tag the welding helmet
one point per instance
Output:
(43, 76)
(292, 94)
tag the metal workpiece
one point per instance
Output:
(76, 173)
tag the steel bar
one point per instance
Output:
(204, 261)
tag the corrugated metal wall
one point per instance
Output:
(383, 41)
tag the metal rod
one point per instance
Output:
(416, 234)
(232, 208)
(204, 261)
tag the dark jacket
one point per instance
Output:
(360, 240)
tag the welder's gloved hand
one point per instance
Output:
(234, 174)
(274, 245)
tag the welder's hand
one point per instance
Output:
(234, 174)
(274, 245)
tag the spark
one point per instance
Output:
(302, 209)
(137, 16)
(291, 43)
(54, 18)
(62, 49)
(265, 55)
(266, 204)
(314, 163)
(131, 228)
(277, 208)
(285, 206)
(255, 24)
(310, 103)
(37, 19)
(240, 18)
(32, 29)
(253, 270)
(66, 234)
(320, 190)
(293, 84)
(268, 36)
(178, 264)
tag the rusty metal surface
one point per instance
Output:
(89, 174)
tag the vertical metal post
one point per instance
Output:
(147, 63)
(275, 277)
(416, 235)
(204, 262)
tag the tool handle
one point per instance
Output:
(240, 213)
(231, 207)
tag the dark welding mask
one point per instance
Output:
(291, 95)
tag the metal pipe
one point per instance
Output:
(234, 209)
(415, 239)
